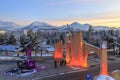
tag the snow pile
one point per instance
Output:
(103, 77)
(8, 58)
(116, 74)
(50, 49)
(116, 70)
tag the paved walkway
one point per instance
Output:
(49, 70)
(42, 73)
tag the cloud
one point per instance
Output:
(88, 0)
(111, 21)
(60, 2)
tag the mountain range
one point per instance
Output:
(38, 25)
(9, 25)
(42, 25)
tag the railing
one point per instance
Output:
(92, 45)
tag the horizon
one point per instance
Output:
(24, 12)
(60, 25)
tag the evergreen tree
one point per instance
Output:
(12, 40)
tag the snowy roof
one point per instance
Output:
(10, 48)
(50, 48)
(19, 49)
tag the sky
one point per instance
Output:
(59, 12)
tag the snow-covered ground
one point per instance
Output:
(15, 57)
(38, 54)
(103, 77)
(7, 58)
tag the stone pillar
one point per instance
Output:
(68, 49)
(103, 65)
(80, 48)
(72, 61)
(77, 50)
(58, 54)
(86, 53)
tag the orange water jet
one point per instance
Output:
(77, 52)
(58, 50)
(68, 52)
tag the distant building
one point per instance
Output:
(90, 29)
(2, 31)
(25, 32)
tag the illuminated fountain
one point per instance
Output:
(68, 48)
(58, 54)
(77, 52)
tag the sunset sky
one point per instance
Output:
(59, 12)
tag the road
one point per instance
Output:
(81, 75)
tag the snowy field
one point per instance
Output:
(15, 57)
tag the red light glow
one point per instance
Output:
(58, 51)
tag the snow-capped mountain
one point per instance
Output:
(84, 27)
(63, 27)
(45, 26)
(39, 25)
(75, 26)
(100, 28)
(9, 25)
